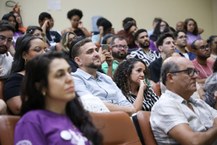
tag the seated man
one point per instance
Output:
(6, 40)
(178, 118)
(89, 81)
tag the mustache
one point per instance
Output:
(3, 48)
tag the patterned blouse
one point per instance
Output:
(149, 99)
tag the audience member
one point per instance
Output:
(144, 53)
(16, 12)
(178, 118)
(116, 53)
(180, 26)
(161, 27)
(107, 39)
(191, 29)
(156, 20)
(166, 46)
(12, 20)
(46, 22)
(66, 41)
(105, 27)
(6, 40)
(27, 47)
(212, 44)
(51, 110)
(75, 16)
(35, 31)
(129, 28)
(89, 81)
(201, 62)
(131, 77)
(181, 45)
(210, 88)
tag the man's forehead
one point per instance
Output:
(120, 41)
(7, 32)
(88, 45)
(168, 39)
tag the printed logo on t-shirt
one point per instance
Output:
(24, 142)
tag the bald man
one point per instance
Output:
(178, 118)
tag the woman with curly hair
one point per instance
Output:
(131, 78)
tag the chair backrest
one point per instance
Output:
(145, 126)
(7, 126)
(116, 128)
(1, 88)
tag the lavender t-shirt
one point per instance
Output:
(41, 127)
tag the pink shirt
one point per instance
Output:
(204, 70)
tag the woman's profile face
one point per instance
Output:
(37, 47)
(137, 73)
(60, 83)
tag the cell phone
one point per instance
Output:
(105, 47)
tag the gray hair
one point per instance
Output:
(210, 87)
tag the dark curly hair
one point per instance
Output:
(122, 74)
(74, 12)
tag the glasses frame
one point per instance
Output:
(189, 71)
(120, 46)
(7, 39)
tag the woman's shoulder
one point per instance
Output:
(36, 116)
(15, 76)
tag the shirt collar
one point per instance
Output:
(178, 98)
(87, 75)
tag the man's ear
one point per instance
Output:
(170, 77)
(136, 42)
(160, 48)
(78, 61)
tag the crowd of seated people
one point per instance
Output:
(128, 70)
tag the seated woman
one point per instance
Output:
(51, 110)
(131, 78)
(27, 47)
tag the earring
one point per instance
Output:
(25, 61)
(44, 93)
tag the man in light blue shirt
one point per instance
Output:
(89, 81)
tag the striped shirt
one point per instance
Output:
(149, 99)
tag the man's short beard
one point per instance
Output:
(143, 45)
(119, 56)
(203, 57)
(92, 65)
(3, 49)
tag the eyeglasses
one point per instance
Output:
(4, 38)
(120, 46)
(190, 71)
(203, 47)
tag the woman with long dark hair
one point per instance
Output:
(51, 111)
(27, 47)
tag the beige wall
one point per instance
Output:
(203, 11)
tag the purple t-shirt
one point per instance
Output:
(41, 127)
(191, 38)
